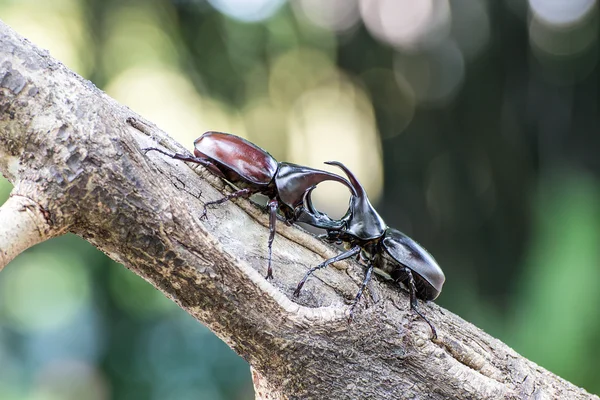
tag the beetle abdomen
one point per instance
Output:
(411, 255)
(231, 153)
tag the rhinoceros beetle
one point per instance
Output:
(253, 170)
(366, 235)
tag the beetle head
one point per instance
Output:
(430, 277)
(309, 215)
(364, 223)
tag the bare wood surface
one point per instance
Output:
(74, 157)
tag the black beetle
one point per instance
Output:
(253, 170)
(367, 235)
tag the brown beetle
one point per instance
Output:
(253, 170)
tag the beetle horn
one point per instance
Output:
(318, 176)
(307, 200)
(358, 189)
(363, 220)
(294, 180)
(309, 215)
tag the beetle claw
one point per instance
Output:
(350, 316)
(204, 216)
(434, 335)
(299, 288)
(145, 150)
(351, 310)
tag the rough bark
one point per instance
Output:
(74, 157)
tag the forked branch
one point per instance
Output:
(74, 157)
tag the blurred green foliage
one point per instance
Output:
(76, 325)
(474, 125)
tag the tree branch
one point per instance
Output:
(23, 224)
(74, 157)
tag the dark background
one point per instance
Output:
(473, 124)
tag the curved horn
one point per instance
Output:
(359, 190)
(293, 181)
(363, 221)
(307, 200)
(309, 215)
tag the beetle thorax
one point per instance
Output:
(365, 223)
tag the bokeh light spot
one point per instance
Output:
(135, 38)
(398, 110)
(247, 10)
(56, 26)
(565, 50)
(170, 100)
(561, 12)
(335, 15)
(470, 26)
(336, 122)
(564, 40)
(43, 291)
(297, 71)
(70, 380)
(266, 127)
(407, 24)
(434, 76)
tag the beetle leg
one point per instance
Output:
(196, 160)
(339, 257)
(239, 193)
(177, 156)
(414, 302)
(273, 205)
(361, 290)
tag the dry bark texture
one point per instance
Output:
(74, 157)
